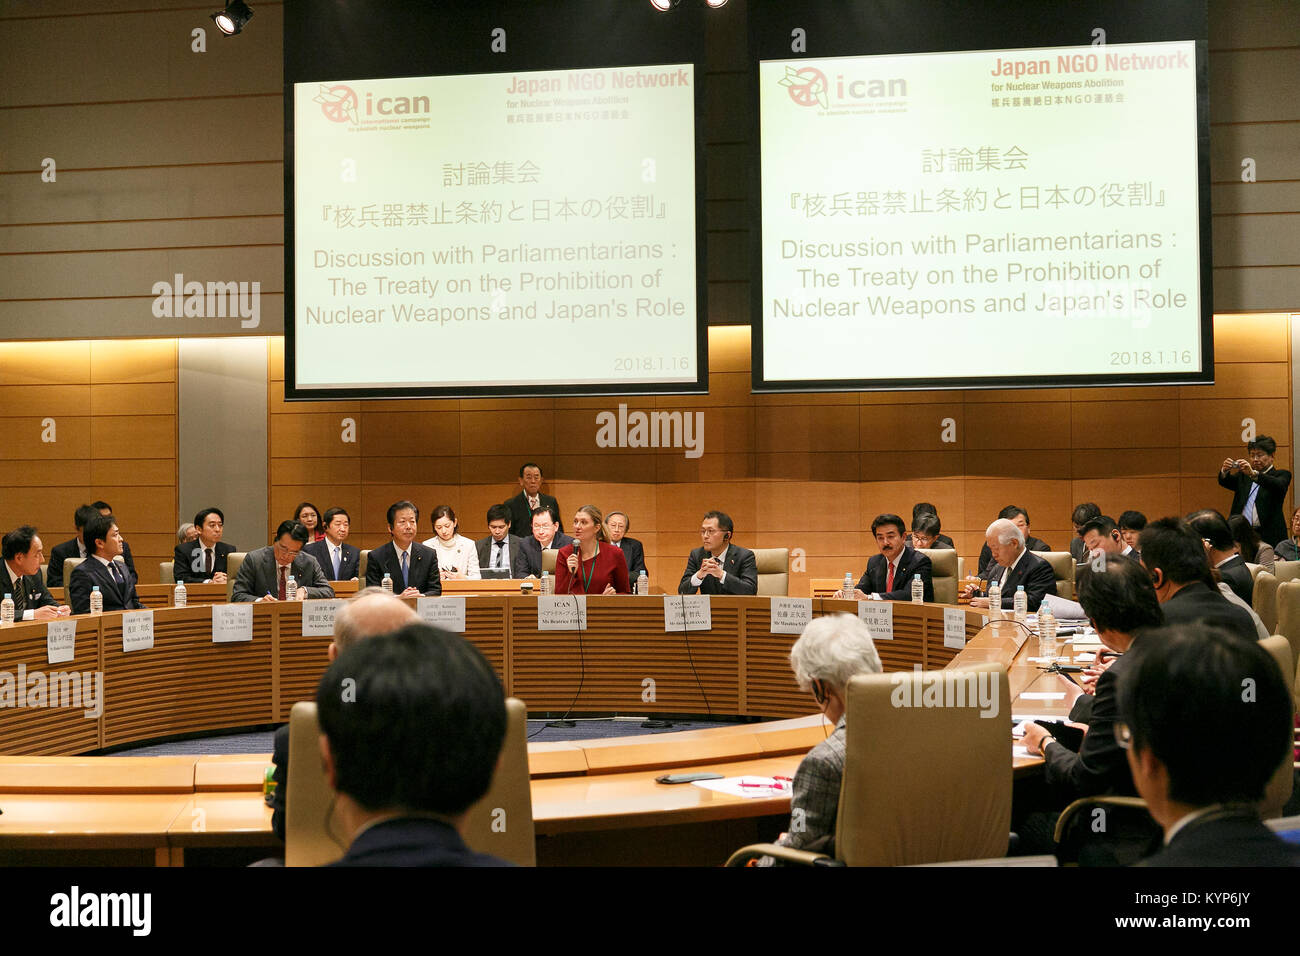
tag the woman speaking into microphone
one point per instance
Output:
(585, 567)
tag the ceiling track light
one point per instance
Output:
(232, 19)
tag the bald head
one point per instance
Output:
(373, 611)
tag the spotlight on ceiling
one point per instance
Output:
(663, 6)
(232, 19)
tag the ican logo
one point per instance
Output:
(808, 86)
(340, 104)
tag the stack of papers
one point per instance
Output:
(749, 787)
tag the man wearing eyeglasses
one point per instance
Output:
(264, 575)
(719, 567)
(1258, 489)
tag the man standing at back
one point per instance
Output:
(412, 566)
(530, 498)
(1258, 489)
(719, 567)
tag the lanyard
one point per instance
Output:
(582, 569)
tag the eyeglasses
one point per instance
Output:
(705, 532)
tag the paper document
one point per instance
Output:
(1064, 610)
(750, 787)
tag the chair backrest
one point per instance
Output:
(1278, 791)
(233, 561)
(943, 573)
(501, 823)
(1264, 600)
(166, 575)
(923, 784)
(961, 568)
(1286, 570)
(45, 572)
(1288, 614)
(68, 565)
(548, 559)
(1254, 570)
(1063, 565)
(773, 570)
(361, 566)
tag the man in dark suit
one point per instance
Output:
(1101, 535)
(1201, 751)
(116, 583)
(1221, 552)
(616, 528)
(1131, 524)
(1082, 514)
(1013, 565)
(500, 550)
(1258, 489)
(546, 536)
(889, 574)
(373, 611)
(414, 567)
(20, 576)
(1020, 517)
(940, 541)
(412, 750)
(203, 560)
(265, 573)
(1174, 555)
(339, 560)
(529, 499)
(76, 547)
(719, 567)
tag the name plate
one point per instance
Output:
(447, 613)
(954, 628)
(790, 615)
(60, 641)
(137, 631)
(232, 623)
(562, 612)
(318, 617)
(879, 618)
(687, 612)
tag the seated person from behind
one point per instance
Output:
(590, 565)
(500, 551)
(1221, 551)
(1131, 524)
(1201, 750)
(20, 577)
(1251, 549)
(940, 540)
(1288, 549)
(1082, 514)
(412, 566)
(413, 749)
(831, 651)
(265, 573)
(1012, 565)
(1021, 519)
(546, 536)
(1174, 555)
(339, 560)
(115, 582)
(617, 526)
(889, 574)
(719, 567)
(372, 612)
(925, 532)
(457, 556)
(203, 561)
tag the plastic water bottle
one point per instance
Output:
(643, 583)
(7, 610)
(387, 582)
(96, 601)
(848, 585)
(995, 601)
(1046, 632)
(548, 584)
(918, 589)
(290, 588)
(1021, 604)
(178, 594)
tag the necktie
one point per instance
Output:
(337, 561)
(496, 554)
(281, 595)
(1249, 512)
(405, 579)
(20, 598)
(117, 577)
(207, 560)
(889, 584)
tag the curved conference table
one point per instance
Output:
(593, 801)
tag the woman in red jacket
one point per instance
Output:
(585, 567)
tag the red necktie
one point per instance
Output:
(889, 585)
(282, 597)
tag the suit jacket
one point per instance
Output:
(943, 541)
(33, 589)
(258, 576)
(185, 556)
(91, 572)
(1031, 544)
(413, 841)
(1197, 602)
(739, 567)
(423, 573)
(515, 550)
(1229, 836)
(280, 760)
(635, 555)
(70, 549)
(349, 566)
(910, 564)
(1031, 571)
(1100, 765)
(1237, 575)
(1268, 503)
(530, 554)
(521, 518)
